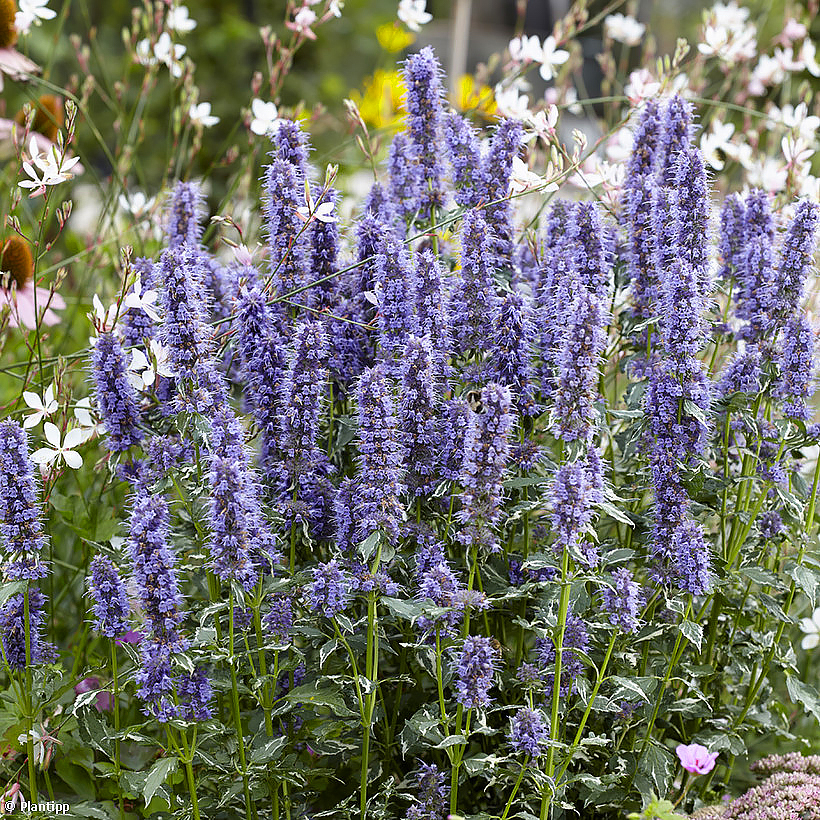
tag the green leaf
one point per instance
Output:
(10, 589)
(629, 688)
(368, 546)
(807, 579)
(328, 696)
(692, 632)
(805, 694)
(157, 776)
(658, 765)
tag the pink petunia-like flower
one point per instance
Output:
(129, 637)
(103, 699)
(696, 759)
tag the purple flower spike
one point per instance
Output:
(114, 394)
(475, 672)
(110, 598)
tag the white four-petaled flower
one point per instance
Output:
(46, 168)
(265, 117)
(143, 299)
(551, 58)
(143, 370)
(30, 13)
(169, 53)
(810, 627)
(43, 406)
(624, 29)
(178, 20)
(62, 448)
(201, 115)
(414, 14)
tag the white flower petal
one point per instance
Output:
(72, 438)
(74, 460)
(52, 434)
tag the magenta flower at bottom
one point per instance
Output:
(696, 759)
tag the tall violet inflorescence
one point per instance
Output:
(109, 598)
(184, 215)
(13, 630)
(796, 360)
(528, 733)
(486, 457)
(114, 394)
(464, 151)
(473, 300)
(379, 485)
(396, 278)
(422, 78)
(417, 417)
(475, 672)
(21, 517)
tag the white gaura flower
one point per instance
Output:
(768, 174)
(795, 118)
(265, 117)
(46, 168)
(43, 406)
(413, 14)
(310, 210)
(143, 299)
(30, 13)
(795, 151)
(522, 178)
(87, 424)
(551, 58)
(619, 145)
(178, 20)
(143, 370)
(526, 49)
(335, 7)
(170, 54)
(62, 449)
(543, 124)
(808, 54)
(624, 28)
(717, 139)
(641, 86)
(767, 72)
(144, 53)
(103, 319)
(302, 22)
(200, 115)
(137, 203)
(512, 104)
(810, 627)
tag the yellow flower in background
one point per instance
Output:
(393, 38)
(472, 97)
(381, 100)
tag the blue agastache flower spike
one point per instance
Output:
(431, 793)
(486, 457)
(623, 600)
(642, 160)
(184, 215)
(796, 361)
(732, 236)
(641, 247)
(682, 325)
(13, 631)
(288, 241)
(504, 147)
(741, 374)
(262, 363)
(528, 733)
(397, 299)
(431, 309)
(109, 597)
(407, 187)
(558, 223)
(511, 352)
(757, 297)
(578, 363)
(195, 695)
(455, 418)
(331, 589)
(137, 325)
(757, 216)
(576, 490)
(473, 299)
(241, 539)
(324, 244)
(114, 395)
(692, 215)
(475, 672)
(184, 331)
(422, 79)
(379, 485)
(576, 636)
(796, 254)
(464, 151)
(692, 557)
(591, 260)
(418, 424)
(21, 515)
(664, 228)
(156, 687)
(154, 571)
(676, 135)
(290, 143)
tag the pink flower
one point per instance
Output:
(21, 304)
(103, 703)
(696, 759)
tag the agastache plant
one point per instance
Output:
(464, 497)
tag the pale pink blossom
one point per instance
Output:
(302, 22)
(21, 305)
(641, 86)
(696, 759)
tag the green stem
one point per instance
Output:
(515, 789)
(116, 694)
(237, 715)
(32, 773)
